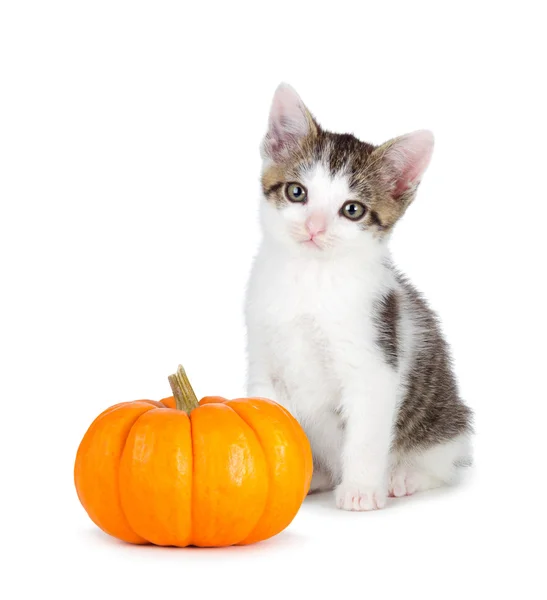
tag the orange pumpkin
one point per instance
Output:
(178, 472)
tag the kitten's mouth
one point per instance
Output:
(311, 243)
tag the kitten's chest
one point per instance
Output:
(308, 318)
(307, 315)
(315, 297)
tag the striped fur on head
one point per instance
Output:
(383, 178)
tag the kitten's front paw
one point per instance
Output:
(356, 497)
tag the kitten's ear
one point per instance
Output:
(403, 161)
(290, 121)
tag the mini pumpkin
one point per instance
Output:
(178, 472)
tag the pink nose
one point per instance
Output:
(316, 224)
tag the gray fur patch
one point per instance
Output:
(432, 411)
(387, 320)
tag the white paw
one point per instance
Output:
(403, 482)
(355, 497)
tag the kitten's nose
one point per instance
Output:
(316, 224)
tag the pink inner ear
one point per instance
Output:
(288, 122)
(409, 155)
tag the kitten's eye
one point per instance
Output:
(353, 210)
(296, 192)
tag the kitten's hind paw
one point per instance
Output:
(402, 483)
(353, 497)
(406, 481)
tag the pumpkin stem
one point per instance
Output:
(185, 397)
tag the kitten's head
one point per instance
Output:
(327, 191)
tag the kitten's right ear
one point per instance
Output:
(290, 121)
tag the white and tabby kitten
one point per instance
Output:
(335, 333)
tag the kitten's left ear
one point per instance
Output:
(403, 161)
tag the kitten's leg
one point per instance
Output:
(260, 382)
(419, 471)
(369, 399)
(325, 436)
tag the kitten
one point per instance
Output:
(335, 333)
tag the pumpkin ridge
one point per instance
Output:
(81, 469)
(253, 439)
(118, 477)
(270, 417)
(267, 464)
(308, 458)
(191, 534)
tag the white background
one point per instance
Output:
(129, 169)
